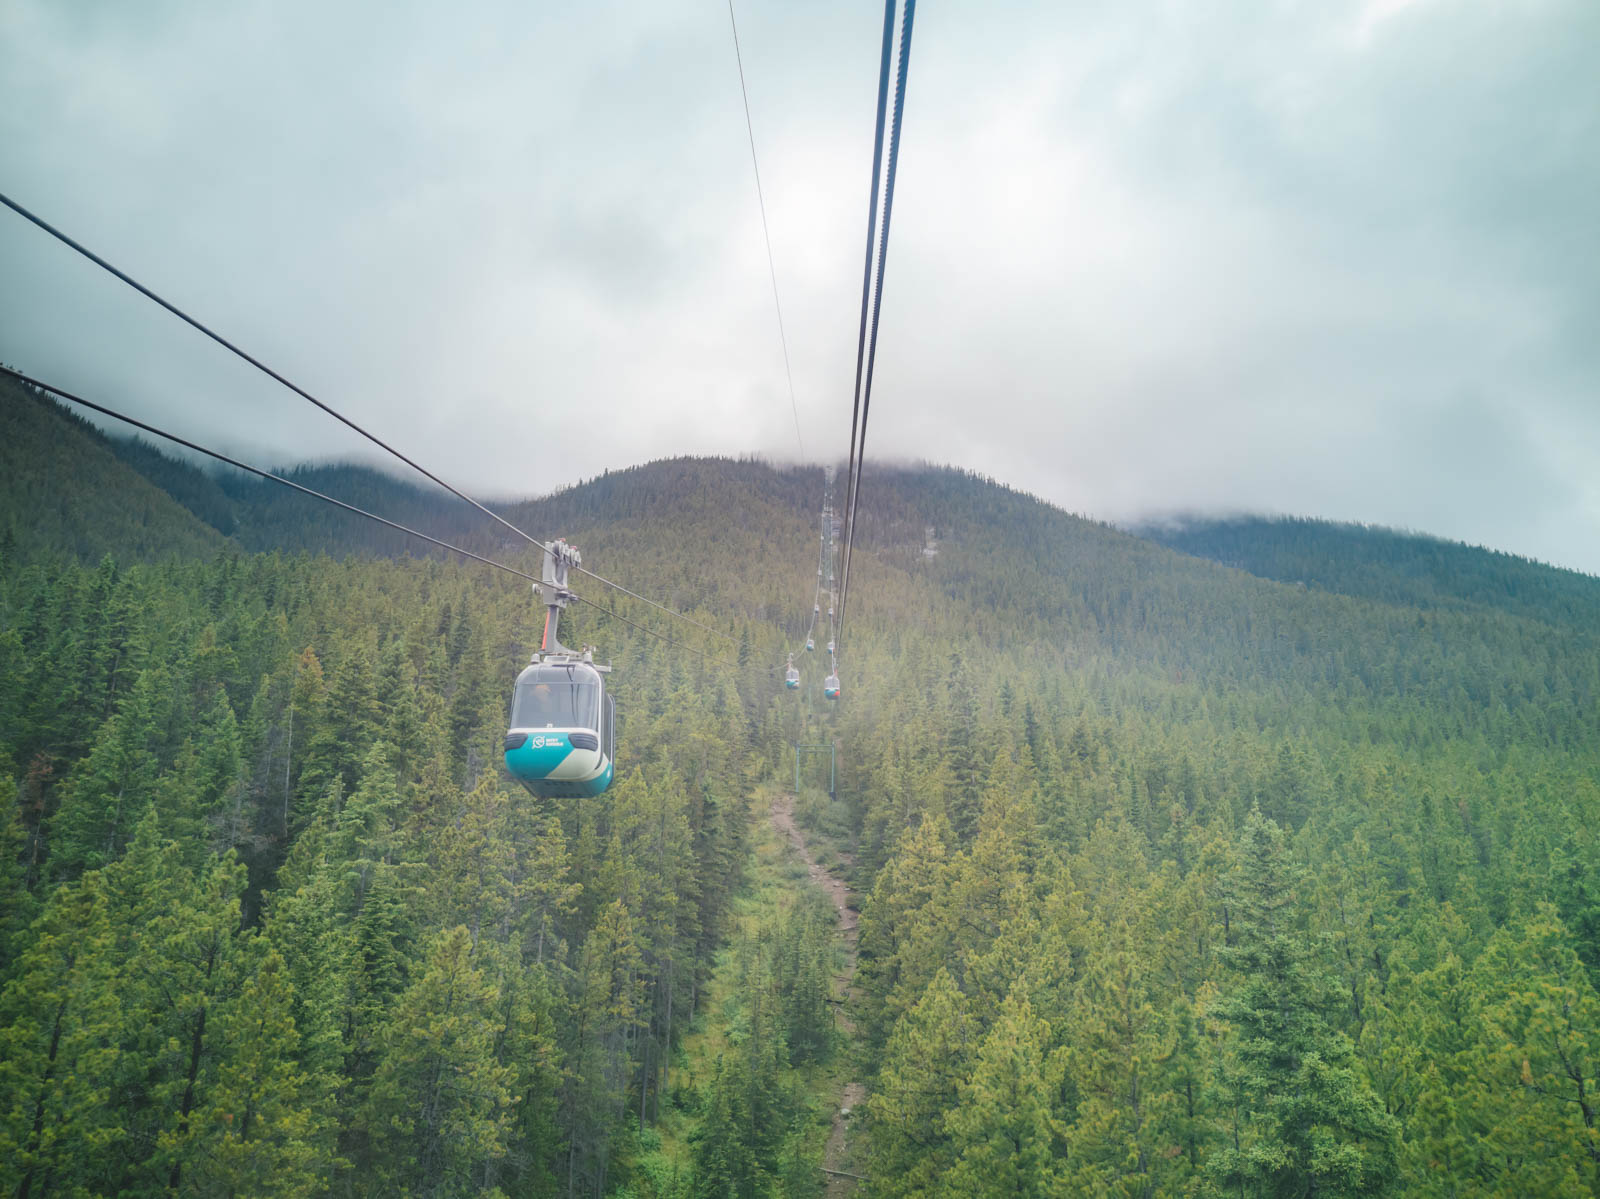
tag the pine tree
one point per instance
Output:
(18, 906)
(1538, 1062)
(1002, 1130)
(265, 1123)
(59, 1047)
(1313, 1126)
(108, 792)
(606, 1017)
(347, 721)
(203, 795)
(532, 1011)
(725, 1164)
(440, 1106)
(185, 964)
(547, 895)
(918, 1085)
(1123, 1046)
(803, 955)
(307, 697)
(473, 861)
(904, 927)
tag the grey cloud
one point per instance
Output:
(1330, 258)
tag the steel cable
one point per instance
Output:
(864, 382)
(315, 494)
(41, 223)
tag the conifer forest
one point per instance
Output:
(1249, 858)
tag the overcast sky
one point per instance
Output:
(1336, 257)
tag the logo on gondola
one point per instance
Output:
(537, 742)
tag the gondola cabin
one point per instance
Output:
(563, 730)
(791, 679)
(811, 644)
(830, 687)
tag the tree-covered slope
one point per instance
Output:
(1388, 565)
(1185, 881)
(1175, 880)
(65, 490)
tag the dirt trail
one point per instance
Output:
(849, 918)
(848, 1110)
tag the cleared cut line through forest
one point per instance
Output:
(853, 1093)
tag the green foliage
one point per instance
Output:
(1308, 1122)
(1387, 565)
(150, 1045)
(750, 1107)
(107, 508)
(927, 1058)
(1176, 880)
(61, 1042)
(440, 1105)
(1002, 1133)
(307, 716)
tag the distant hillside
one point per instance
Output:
(998, 545)
(1388, 565)
(65, 489)
(1091, 789)
(271, 516)
(69, 487)
(196, 489)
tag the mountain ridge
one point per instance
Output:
(1379, 562)
(255, 514)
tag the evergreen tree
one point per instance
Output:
(1123, 1059)
(547, 895)
(1537, 1061)
(532, 1012)
(904, 927)
(59, 1047)
(348, 720)
(725, 1163)
(203, 796)
(1313, 1125)
(919, 1084)
(266, 1126)
(18, 906)
(1002, 1131)
(110, 790)
(440, 1105)
(606, 1017)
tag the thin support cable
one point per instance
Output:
(620, 589)
(51, 389)
(772, 269)
(816, 600)
(41, 223)
(615, 615)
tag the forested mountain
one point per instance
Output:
(63, 490)
(1175, 878)
(1385, 564)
